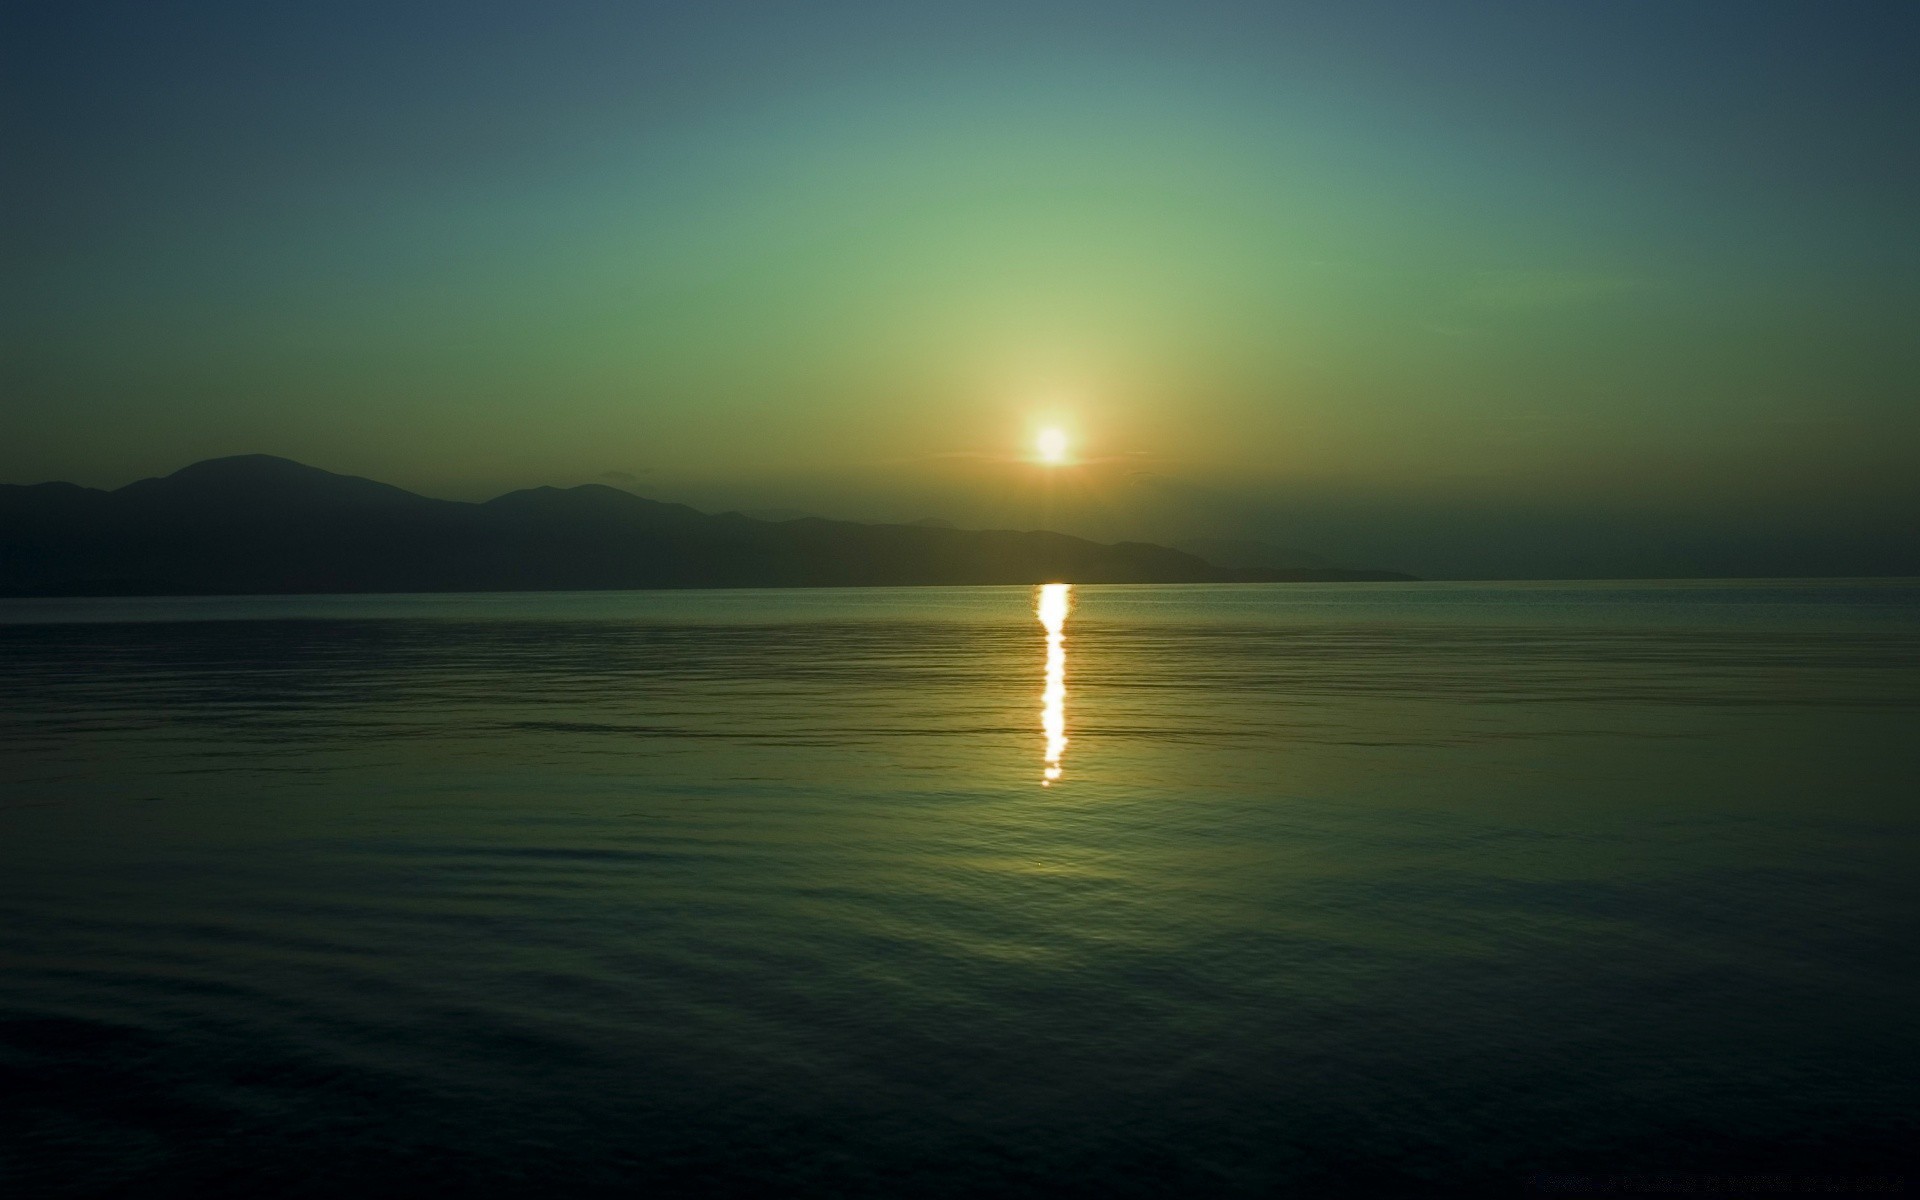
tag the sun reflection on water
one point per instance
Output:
(1052, 605)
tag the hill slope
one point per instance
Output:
(259, 524)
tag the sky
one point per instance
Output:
(1467, 289)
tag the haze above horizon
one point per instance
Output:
(1468, 289)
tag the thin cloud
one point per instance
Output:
(1530, 290)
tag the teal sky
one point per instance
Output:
(1394, 280)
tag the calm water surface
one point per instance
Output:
(1392, 890)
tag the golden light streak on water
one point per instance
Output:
(1054, 601)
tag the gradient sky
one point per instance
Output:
(1527, 288)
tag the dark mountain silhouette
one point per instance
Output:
(1243, 552)
(259, 524)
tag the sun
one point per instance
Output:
(1052, 445)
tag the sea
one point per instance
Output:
(1310, 890)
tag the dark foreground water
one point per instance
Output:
(1395, 890)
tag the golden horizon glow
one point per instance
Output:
(1052, 444)
(1055, 599)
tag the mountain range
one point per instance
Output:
(257, 524)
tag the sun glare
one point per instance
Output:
(1052, 444)
(1052, 606)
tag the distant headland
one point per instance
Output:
(257, 524)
